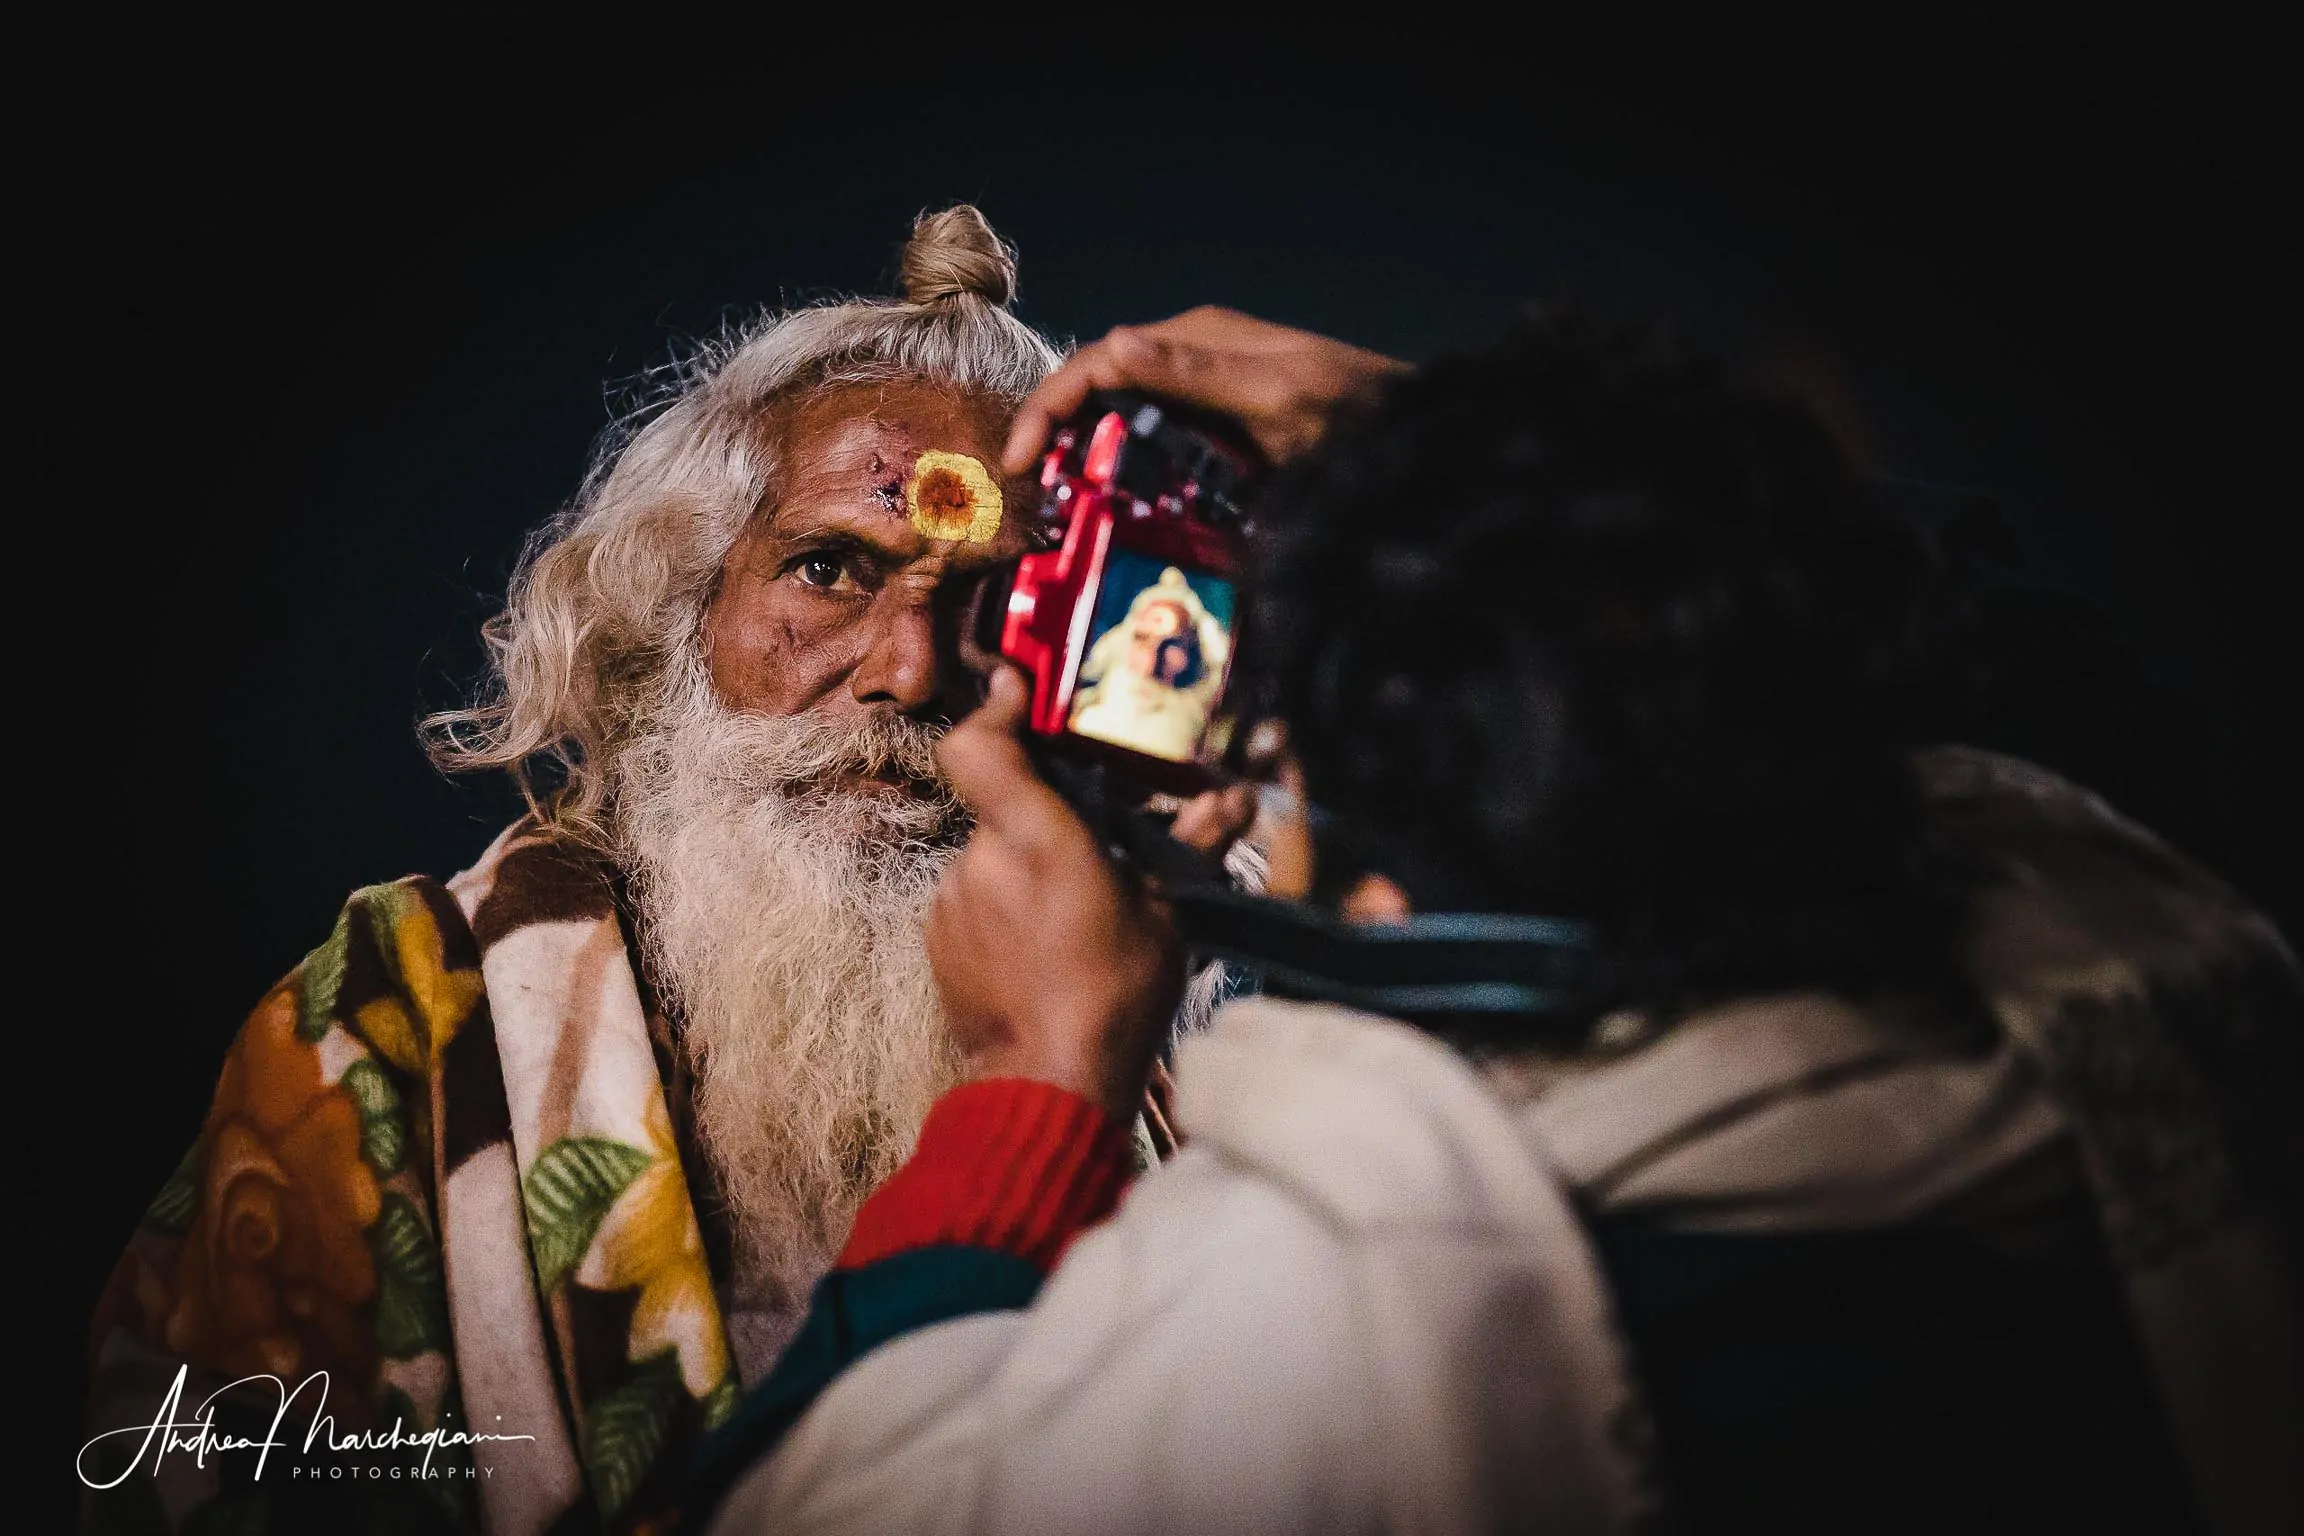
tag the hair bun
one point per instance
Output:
(954, 253)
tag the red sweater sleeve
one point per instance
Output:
(1007, 1163)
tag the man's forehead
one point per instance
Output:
(854, 422)
(912, 456)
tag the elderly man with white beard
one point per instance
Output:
(513, 1183)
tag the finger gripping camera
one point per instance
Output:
(1129, 626)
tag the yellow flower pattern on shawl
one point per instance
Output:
(649, 1242)
(412, 1024)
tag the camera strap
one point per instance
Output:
(1473, 977)
(1454, 972)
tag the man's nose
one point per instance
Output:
(900, 669)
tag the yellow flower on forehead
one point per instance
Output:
(952, 496)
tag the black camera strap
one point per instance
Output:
(1454, 972)
(1474, 977)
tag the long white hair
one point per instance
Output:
(609, 596)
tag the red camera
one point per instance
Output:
(1129, 628)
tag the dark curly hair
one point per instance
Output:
(1584, 625)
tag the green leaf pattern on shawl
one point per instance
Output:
(411, 1307)
(320, 979)
(567, 1192)
(383, 1125)
(625, 1429)
(722, 1402)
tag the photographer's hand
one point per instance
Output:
(1277, 382)
(1051, 965)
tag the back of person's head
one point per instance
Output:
(1585, 626)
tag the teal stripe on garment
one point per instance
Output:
(853, 1312)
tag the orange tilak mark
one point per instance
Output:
(952, 496)
(944, 498)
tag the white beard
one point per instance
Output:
(783, 916)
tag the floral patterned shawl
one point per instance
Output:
(440, 1167)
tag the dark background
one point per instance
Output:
(316, 326)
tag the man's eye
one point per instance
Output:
(825, 572)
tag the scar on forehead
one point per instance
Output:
(952, 496)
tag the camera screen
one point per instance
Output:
(1159, 645)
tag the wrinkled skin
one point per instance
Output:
(832, 601)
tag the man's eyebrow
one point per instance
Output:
(845, 537)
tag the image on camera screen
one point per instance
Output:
(1159, 645)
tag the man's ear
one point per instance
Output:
(1375, 900)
